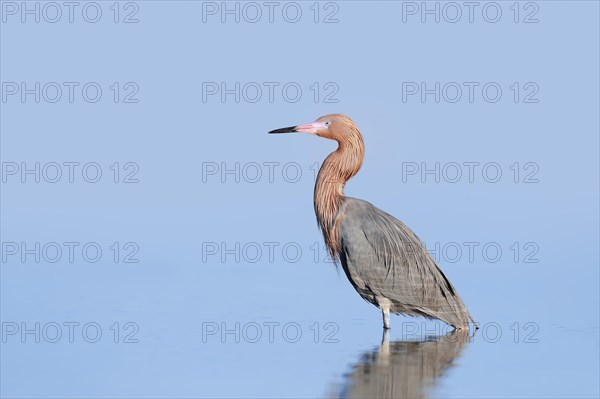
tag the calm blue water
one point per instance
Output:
(156, 242)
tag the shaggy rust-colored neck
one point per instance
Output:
(336, 170)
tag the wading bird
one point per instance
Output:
(384, 260)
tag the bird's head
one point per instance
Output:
(335, 127)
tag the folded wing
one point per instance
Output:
(383, 258)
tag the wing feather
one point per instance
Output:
(383, 258)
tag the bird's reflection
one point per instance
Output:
(404, 369)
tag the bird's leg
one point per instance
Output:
(386, 318)
(384, 304)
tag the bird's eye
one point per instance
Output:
(327, 123)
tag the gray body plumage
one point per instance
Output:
(390, 267)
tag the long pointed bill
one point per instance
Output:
(284, 130)
(311, 128)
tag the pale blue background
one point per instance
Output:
(170, 212)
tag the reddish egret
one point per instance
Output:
(384, 260)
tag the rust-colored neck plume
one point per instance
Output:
(336, 170)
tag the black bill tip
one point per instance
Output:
(284, 130)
